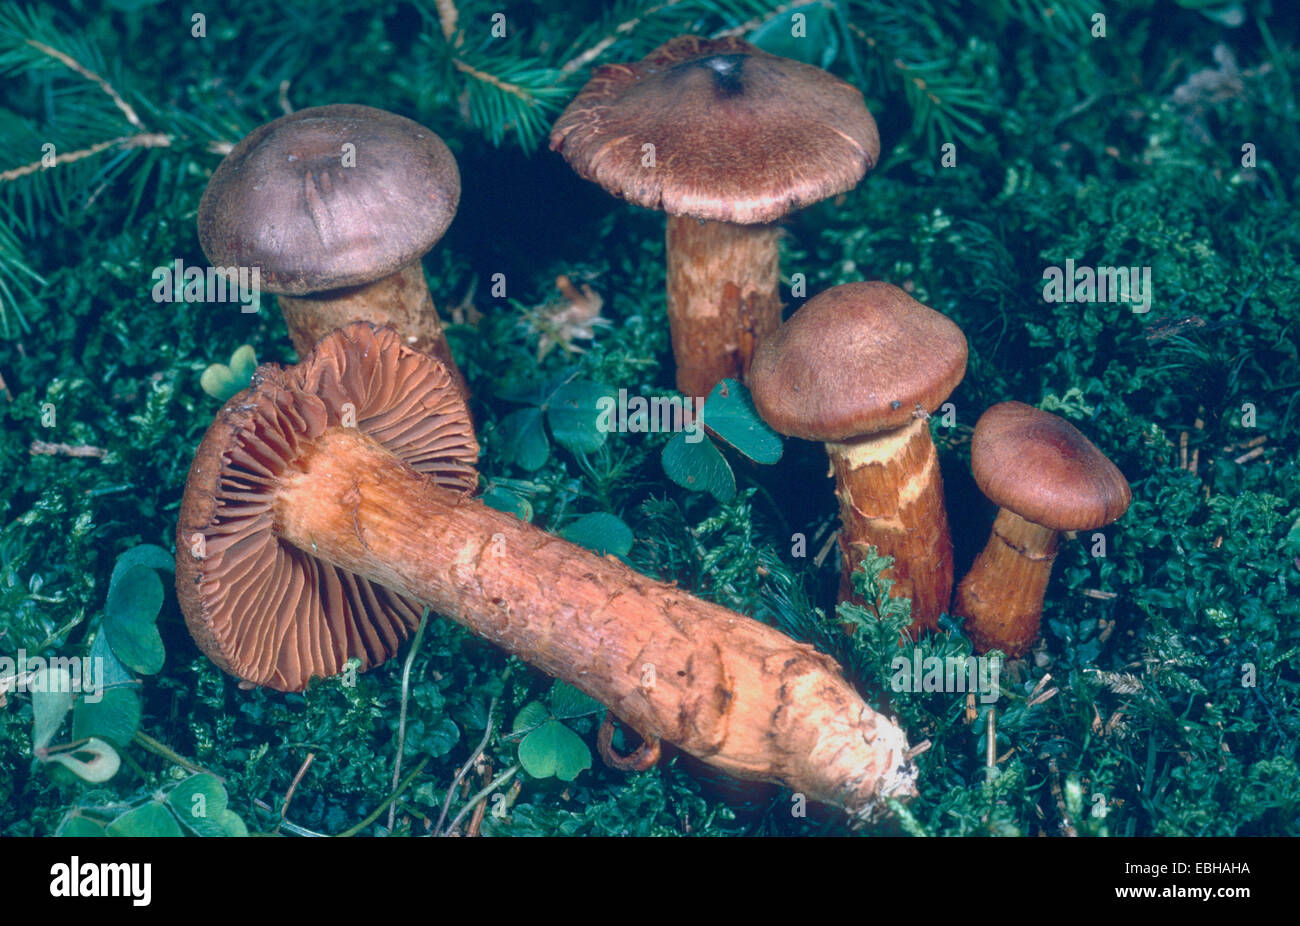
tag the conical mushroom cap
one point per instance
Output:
(314, 214)
(739, 135)
(1039, 466)
(260, 608)
(854, 360)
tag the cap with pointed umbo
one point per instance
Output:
(336, 205)
(726, 139)
(328, 504)
(1045, 477)
(860, 367)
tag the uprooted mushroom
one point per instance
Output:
(330, 501)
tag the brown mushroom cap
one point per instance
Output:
(282, 200)
(322, 615)
(856, 359)
(1039, 466)
(740, 135)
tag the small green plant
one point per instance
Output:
(222, 380)
(565, 403)
(728, 417)
(195, 805)
(549, 747)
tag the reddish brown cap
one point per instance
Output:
(264, 610)
(1039, 466)
(739, 135)
(856, 359)
(284, 202)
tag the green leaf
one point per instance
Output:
(534, 391)
(151, 819)
(573, 413)
(524, 439)
(817, 45)
(699, 467)
(52, 698)
(232, 823)
(730, 414)
(114, 717)
(568, 702)
(131, 619)
(554, 750)
(504, 500)
(108, 669)
(601, 533)
(199, 801)
(78, 826)
(94, 761)
(433, 737)
(531, 715)
(222, 381)
(145, 554)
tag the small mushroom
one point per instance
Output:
(336, 205)
(726, 139)
(328, 503)
(860, 367)
(1045, 477)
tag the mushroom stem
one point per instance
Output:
(723, 297)
(891, 497)
(732, 691)
(400, 300)
(1002, 595)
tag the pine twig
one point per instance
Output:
(293, 785)
(77, 67)
(492, 80)
(142, 140)
(41, 448)
(620, 30)
(757, 21)
(447, 17)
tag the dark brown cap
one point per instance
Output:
(739, 135)
(1039, 466)
(284, 202)
(856, 359)
(264, 610)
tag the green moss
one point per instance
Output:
(1177, 686)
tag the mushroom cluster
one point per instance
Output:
(331, 501)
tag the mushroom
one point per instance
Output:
(726, 139)
(336, 205)
(860, 367)
(304, 541)
(1045, 477)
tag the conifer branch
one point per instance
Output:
(618, 32)
(749, 26)
(72, 64)
(143, 140)
(447, 17)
